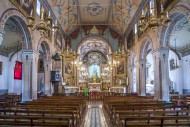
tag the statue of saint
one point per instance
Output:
(94, 75)
(94, 78)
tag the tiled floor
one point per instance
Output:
(95, 116)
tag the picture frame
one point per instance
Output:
(121, 68)
(67, 68)
(172, 65)
(40, 66)
(25, 6)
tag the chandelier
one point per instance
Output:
(44, 24)
(121, 53)
(163, 19)
(69, 53)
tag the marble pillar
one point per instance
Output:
(1, 35)
(161, 74)
(29, 75)
(130, 76)
(142, 77)
(47, 70)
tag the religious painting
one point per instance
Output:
(121, 68)
(67, 68)
(25, 6)
(40, 66)
(1, 67)
(172, 64)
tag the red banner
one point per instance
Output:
(18, 70)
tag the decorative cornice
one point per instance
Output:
(135, 17)
(44, 2)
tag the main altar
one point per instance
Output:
(95, 87)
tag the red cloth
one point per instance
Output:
(18, 70)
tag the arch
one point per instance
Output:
(87, 38)
(147, 41)
(44, 42)
(21, 21)
(89, 44)
(175, 14)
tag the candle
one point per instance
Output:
(126, 43)
(127, 81)
(56, 22)
(31, 13)
(167, 14)
(162, 8)
(143, 13)
(49, 14)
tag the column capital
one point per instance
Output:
(47, 61)
(30, 52)
(142, 61)
(161, 51)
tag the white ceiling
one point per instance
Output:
(180, 34)
(12, 38)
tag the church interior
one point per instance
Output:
(95, 63)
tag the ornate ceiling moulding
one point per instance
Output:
(94, 9)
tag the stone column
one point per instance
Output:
(111, 72)
(130, 77)
(138, 77)
(29, 75)
(142, 78)
(1, 35)
(47, 83)
(161, 74)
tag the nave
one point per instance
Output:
(94, 63)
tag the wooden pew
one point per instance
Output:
(160, 121)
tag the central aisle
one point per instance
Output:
(95, 116)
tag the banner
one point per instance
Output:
(18, 70)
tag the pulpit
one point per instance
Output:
(95, 87)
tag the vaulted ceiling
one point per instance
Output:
(114, 13)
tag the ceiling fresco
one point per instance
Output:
(66, 12)
(115, 13)
(122, 13)
(94, 58)
(93, 45)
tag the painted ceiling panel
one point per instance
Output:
(66, 12)
(116, 13)
(122, 13)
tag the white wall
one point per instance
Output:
(176, 76)
(186, 72)
(7, 78)
(149, 59)
(4, 77)
(15, 86)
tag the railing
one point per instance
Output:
(99, 95)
